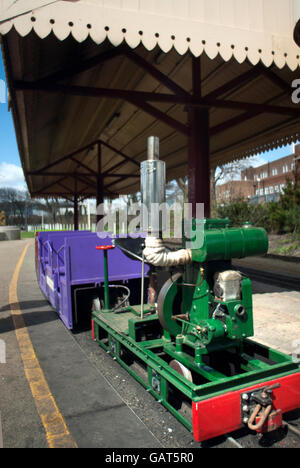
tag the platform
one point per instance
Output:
(276, 310)
(94, 412)
(101, 405)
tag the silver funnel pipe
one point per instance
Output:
(153, 189)
(153, 148)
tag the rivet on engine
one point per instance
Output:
(245, 420)
(245, 396)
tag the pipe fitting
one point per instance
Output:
(156, 254)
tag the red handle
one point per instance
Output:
(105, 247)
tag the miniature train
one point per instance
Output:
(180, 321)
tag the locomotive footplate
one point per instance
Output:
(206, 401)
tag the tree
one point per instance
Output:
(13, 203)
(227, 173)
(177, 190)
(2, 219)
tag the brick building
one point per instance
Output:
(262, 183)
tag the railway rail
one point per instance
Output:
(276, 279)
(287, 436)
(168, 430)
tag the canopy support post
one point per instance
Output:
(76, 208)
(198, 148)
(100, 198)
(76, 213)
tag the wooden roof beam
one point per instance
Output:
(236, 82)
(59, 174)
(140, 98)
(46, 187)
(65, 158)
(119, 152)
(155, 73)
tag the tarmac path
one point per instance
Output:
(51, 395)
(60, 389)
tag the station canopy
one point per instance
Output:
(90, 80)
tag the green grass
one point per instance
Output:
(27, 235)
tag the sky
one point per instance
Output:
(11, 173)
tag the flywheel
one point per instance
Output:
(181, 369)
(169, 304)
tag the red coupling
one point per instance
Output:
(274, 421)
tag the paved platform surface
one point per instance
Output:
(94, 412)
(277, 317)
(276, 310)
(101, 404)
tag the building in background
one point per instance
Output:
(263, 183)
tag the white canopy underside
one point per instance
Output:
(236, 35)
(260, 30)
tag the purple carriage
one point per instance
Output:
(70, 273)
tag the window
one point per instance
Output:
(281, 188)
(285, 169)
(261, 191)
(271, 189)
(274, 171)
(276, 189)
(267, 191)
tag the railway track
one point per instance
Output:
(288, 436)
(170, 432)
(276, 279)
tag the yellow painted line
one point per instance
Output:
(57, 432)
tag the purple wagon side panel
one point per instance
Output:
(87, 265)
(51, 263)
(67, 260)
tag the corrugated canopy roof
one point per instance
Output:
(118, 71)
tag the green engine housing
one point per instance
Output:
(209, 305)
